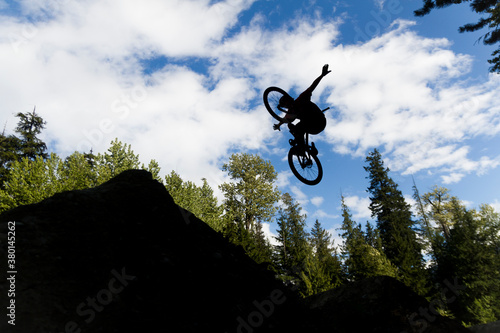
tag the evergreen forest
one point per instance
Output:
(447, 252)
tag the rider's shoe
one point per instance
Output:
(313, 150)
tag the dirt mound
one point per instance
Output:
(122, 257)
(379, 304)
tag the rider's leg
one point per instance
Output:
(298, 132)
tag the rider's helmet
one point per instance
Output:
(285, 101)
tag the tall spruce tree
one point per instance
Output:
(29, 128)
(323, 269)
(293, 248)
(395, 223)
(27, 145)
(321, 242)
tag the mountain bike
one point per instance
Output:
(302, 156)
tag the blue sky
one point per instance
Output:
(182, 82)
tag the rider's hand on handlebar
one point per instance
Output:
(277, 127)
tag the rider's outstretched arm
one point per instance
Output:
(318, 79)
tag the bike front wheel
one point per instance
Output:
(272, 97)
(305, 166)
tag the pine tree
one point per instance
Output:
(470, 256)
(320, 240)
(29, 128)
(27, 145)
(372, 237)
(260, 249)
(323, 269)
(395, 223)
(361, 259)
(351, 238)
(490, 18)
(293, 248)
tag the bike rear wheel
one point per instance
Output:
(305, 166)
(272, 96)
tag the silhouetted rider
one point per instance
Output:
(312, 119)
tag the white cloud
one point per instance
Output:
(284, 179)
(402, 92)
(271, 236)
(81, 67)
(359, 207)
(321, 214)
(335, 236)
(300, 197)
(496, 205)
(317, 201)
(452, 178)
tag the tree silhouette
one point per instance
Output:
(490, 8)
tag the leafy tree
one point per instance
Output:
(77, 172)
(490, 9)
(9, 151)
(436, 218)
(30, 181)
(118, 158)
(249, 200)
(293, 249)
(154, 168)
(199, 200)
(252, 195)
(394, 221)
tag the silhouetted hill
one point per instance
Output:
(122, 257)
